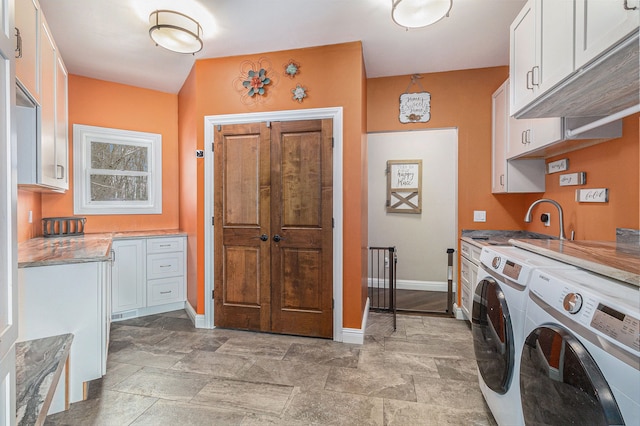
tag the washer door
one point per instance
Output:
(561, 384)
(492, 335)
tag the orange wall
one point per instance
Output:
(460, 99)
(105, 104)
(29, 201)
(615, 165)
(333, 76)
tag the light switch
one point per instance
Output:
(479, 216)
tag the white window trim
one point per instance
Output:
(82, 138)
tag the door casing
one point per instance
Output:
(210, 122)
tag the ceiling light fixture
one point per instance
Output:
(175, 31)
(419, 13)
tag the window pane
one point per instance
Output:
(119, 188)
(111, 156)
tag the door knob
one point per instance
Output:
(277, 238)
(264, 237)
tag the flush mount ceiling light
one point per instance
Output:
(175, 31)
(419, 13)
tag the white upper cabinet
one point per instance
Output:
(43, 136)
(27, 59)
(541, 46)
(575, 58)
(601, 24)
(520, 175)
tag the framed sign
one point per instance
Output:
(415, 107)
(404, 185)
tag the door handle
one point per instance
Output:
(264, 237)
(277, 238)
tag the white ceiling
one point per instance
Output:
(109, 39)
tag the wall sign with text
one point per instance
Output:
(404, 185)
(415, 107)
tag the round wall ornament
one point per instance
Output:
(255, 82)
(299, 93)
(291, 68)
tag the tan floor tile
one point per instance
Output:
(161, 383)
(380, 384)
(335, 408)
(214, 364)
(183, 414)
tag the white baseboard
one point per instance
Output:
(196, 319)
(356, 335)
(413, 285)
(149, 310)
(459, 314)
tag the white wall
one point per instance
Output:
(421, 239)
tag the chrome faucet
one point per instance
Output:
(527, 218)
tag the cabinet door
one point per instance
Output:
(8, 238)
(600, 24)
(47, 154)
(519, 135)
(555, 47)
(522, 57)
(128, 276)
(543, 131)
(28, 23)
(61, 126)
(499, 131)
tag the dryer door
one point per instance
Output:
(561, 384)
(492, 335)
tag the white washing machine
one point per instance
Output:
(497, 322)
(581, 360)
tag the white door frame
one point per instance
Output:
(210, 122)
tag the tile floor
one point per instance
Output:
(162, 371)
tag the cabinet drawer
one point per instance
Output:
(164, 245)
(466, 301)
(165, 290)
(471, 252)
(164, 265)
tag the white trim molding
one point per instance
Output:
(334, 113)
(356, 335)
(412, 285)
(198, 320)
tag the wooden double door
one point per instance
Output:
(273, 227)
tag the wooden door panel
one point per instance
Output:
(242, 180)
(241, 216)
(302, 280)
(301, 180)
(301, 213)
(241, 276)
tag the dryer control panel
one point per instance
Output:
(617, 325)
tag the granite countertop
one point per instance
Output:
(39, 364)
(620, 261)
(481, 238)
(77, 249)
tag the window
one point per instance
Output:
(116, 171)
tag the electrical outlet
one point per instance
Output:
(479, 216)
(386, 262)
(546, 216)
(30, 216)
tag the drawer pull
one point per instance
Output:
(165, 292)
(165, 245)
(165, 266)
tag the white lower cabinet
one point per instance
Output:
(149, 276)
(69, 298)
(470, 260)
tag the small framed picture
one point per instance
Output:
(404, 185)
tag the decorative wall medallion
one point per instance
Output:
(255, 82)
(291, 68)
(299, 93)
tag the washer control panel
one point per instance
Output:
(616, 318)
(621, 327)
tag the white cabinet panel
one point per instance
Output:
(28, 63)
(163, 265)
(164, 245)
(68, 298)
(601, 24)
(512, 175)
(128, 279)
(522, 57)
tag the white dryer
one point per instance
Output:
(581, 360)
(497, 322)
